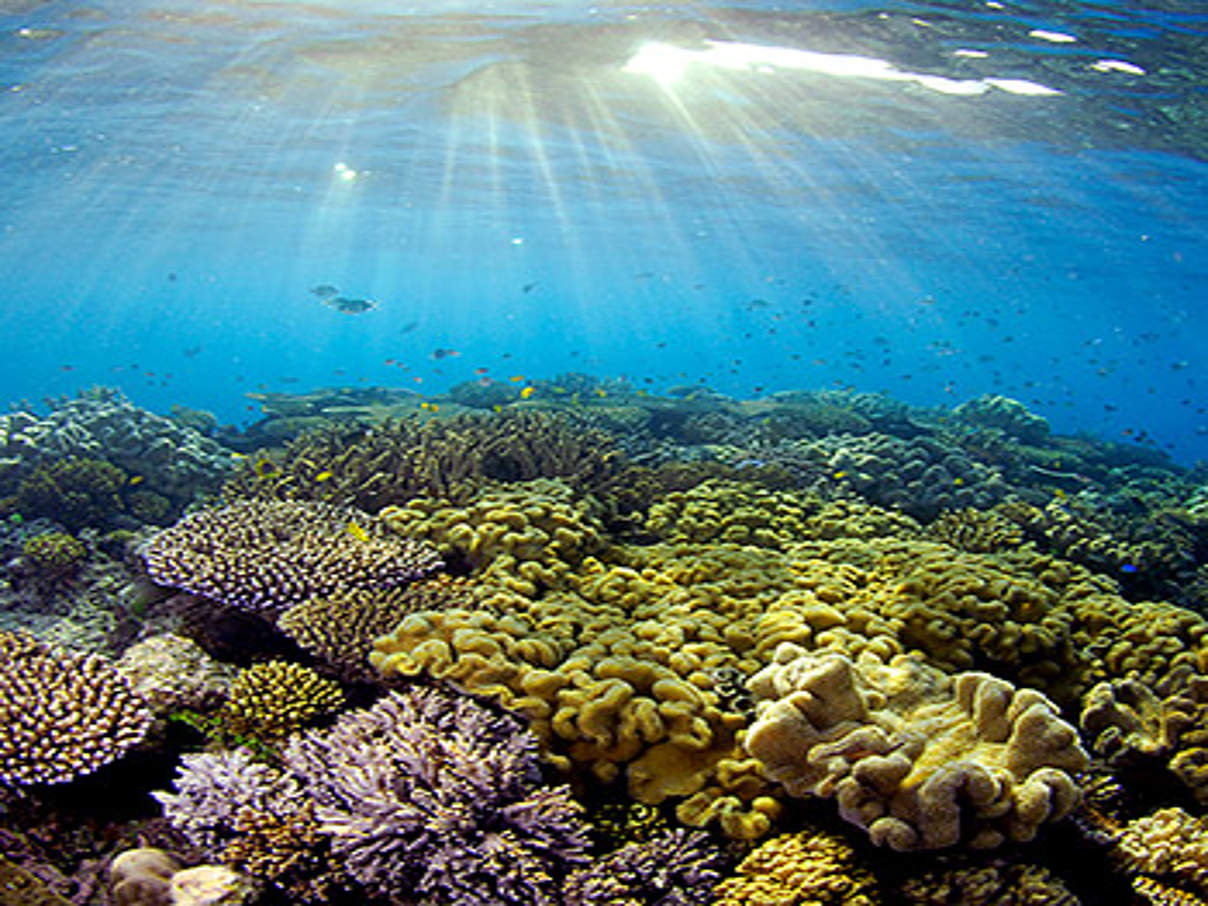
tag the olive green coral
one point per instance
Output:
(62, 713)
(74, 492)
(54, 557)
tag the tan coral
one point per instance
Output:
(988, 885)
(1169, 845)
(918, 759)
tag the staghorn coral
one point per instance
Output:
(917, 759)
(431, 795)
(339, 628)
(527, 535)
(62, 713)
(998, 884)
(261, 555)
(808, 868)
(288, 851)
(213, 787)
(393, 462)
(268, 701)
(674, 868)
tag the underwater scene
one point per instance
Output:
(603, 454)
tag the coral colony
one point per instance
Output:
(677, 650)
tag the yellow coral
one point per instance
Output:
(802, 869)
(269, 701)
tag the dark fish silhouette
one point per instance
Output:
(325, 291)
(351, 306)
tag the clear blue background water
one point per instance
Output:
(175, 182)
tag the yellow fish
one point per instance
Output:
(324, 475)
(136, 479)
(840, 474)
(516, 378)
(958, 481)
(357, 532)
(497, 407)
(600, 392)
(527, 392)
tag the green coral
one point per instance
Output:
(54, 558)
(73, 492)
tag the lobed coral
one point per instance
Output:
(76, 493)
(62, 714)
(808, 868)
(999, 884)
(527, 536)
(1170, 848)
(1005, 414)
(975, 531)
(54, 558)
(917, 759)
(267, 555)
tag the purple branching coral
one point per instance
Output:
(675, 868)
(426, 797)
(267, 555)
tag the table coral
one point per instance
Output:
(261, 555)
(916, 758)
(62, 713)
(809, 868)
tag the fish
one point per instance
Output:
(351, 306)
(527, 392)
(529, 287)
(325, 291)
(325, 475)
(429, 407)
(440, 353)
(356, 531)
(409, 326)
(136, 479)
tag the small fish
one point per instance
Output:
(529, 287)
(440, 353)
(1129, 568)
(599, 391)
(409, 326)
(516, 378)
(497, 407)
(429, 407)
(135, 480)
(325, 291)
(325, 475)
(356, 531)
(839, 474)
(527, 392)
(351, 306)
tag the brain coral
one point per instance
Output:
(62, 714)
(260, 555)
(918, 759)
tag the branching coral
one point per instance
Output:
(803, 869)
(674, 868)
(74, 492)
(916, 759)
(62, 714)
(261, 555)
(268, 701)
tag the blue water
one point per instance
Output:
(177, 176)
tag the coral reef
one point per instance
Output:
(975, 531)
(62, 714)
(809, 868)
(916, 758)
(267, 555)
(1170, 848)
(174, 460)
(53, 558)
(1005, 414)
(999, 884)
